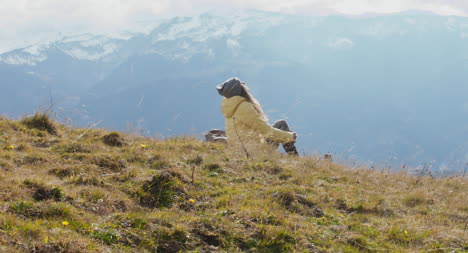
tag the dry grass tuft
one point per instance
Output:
(40, 121)
(113, 139)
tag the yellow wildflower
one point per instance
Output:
(12, 147)
(143, 145)
(191, 201)
(65, 223)
(405, 232)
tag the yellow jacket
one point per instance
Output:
(245, 123)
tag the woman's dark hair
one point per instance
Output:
(245, 93)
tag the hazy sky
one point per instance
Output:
(24, 22)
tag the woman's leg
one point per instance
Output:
(289, 147)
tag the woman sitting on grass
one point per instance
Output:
(246, 122)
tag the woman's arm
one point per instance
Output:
(247, 115)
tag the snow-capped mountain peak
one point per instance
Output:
(82, 47)
(89, 47)
(205, 26)
(26, 56)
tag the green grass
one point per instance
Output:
(88, 190)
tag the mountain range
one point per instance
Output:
(383, 90)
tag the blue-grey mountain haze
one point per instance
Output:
(385, 89)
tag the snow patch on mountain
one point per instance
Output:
(82, 47)
(382, 30)
(207, 26)
(89, 47)
(182, 27)
(341, 43)
(26, 56)
(84, 54)
(232, 44)
(36, 50)
(22, 60)
(183, 37)
(78, 38)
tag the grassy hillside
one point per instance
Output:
(65, 189)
